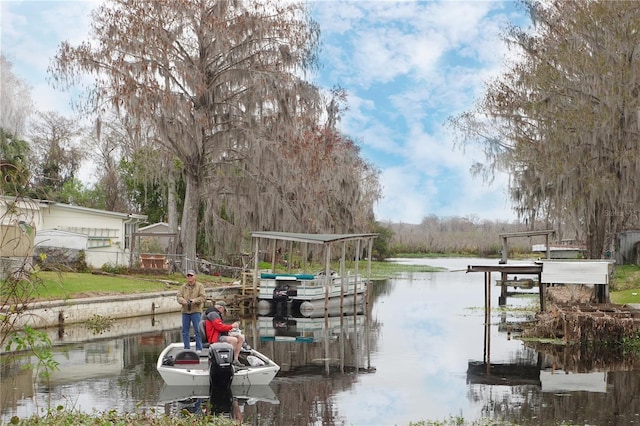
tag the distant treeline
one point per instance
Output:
(457, 235)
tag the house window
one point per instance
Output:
(129, 230)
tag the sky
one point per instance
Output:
(407, 66)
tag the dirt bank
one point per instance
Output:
(573, 317)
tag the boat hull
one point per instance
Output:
(197, 374)
(306, 288)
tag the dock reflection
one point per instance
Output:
(307, 330)
(548, 367)
(337, 341)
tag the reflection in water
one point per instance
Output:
(229, 403)
(94, 375)
(417, 352)
(104, 374)
(316, 345)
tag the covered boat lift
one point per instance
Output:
(324, 240)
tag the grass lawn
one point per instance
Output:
(625, 286)
(47, 285)
(71, 285)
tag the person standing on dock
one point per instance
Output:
(192, 297)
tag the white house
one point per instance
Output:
(106, 235)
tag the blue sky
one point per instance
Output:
(406, 66)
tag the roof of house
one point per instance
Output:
(139, 217)
(154, 226)
(34, 204)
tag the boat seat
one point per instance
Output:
(203, 335)
(186, 356)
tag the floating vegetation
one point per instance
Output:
(99, 324)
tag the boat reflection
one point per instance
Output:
(307, 330)
(334, 342)
(263, 393)
(571, 368)
(205, 400)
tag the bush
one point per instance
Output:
(110, 268)
(81, 262)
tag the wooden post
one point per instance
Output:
(327, 281)
(502, 299)
(255, 286)
(546, 244)
(273, 255)
(255, 272)
(487, 318)
(342, 277)
(305, 254)
(327, 278)
(541, 290)
(505, 249)
(488, 324)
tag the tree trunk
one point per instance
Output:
(172, 209)
(596, 233)
(189, 229)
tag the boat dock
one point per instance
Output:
(544, 272)
(548, 272)
(304, 291)
(505, 270)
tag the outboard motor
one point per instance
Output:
(281, 293)
(220, 365)
(281, 298)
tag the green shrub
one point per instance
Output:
(110, 268)
(81, 262)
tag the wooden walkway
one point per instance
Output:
(505, 270)
(548, 272)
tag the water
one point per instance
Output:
(422, 352)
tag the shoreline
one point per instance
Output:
(54, 313)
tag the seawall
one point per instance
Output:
(70, 311)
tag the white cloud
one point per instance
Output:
(404, 196)
(406, 65)
(31, 34)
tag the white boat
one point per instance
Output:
(318, 308)
(561, 251)
(327, 285)
(309, 288)
(186, 367)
